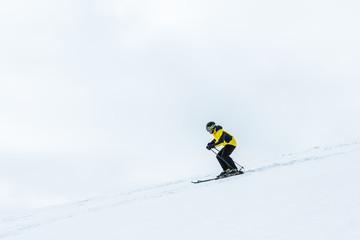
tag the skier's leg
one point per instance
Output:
(223, 165)
(226, 151)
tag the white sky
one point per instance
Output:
(94, 93)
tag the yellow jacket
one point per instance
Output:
(222, 138)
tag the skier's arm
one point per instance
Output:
(212, 142)
(220, 141)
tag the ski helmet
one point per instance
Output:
(210, 126)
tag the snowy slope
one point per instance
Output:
(309, 195)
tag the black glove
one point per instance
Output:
(209, 146)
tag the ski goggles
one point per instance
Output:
(210, 128)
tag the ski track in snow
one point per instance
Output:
(19, 224)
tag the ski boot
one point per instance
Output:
(226, 173)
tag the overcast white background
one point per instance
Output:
(97, 94)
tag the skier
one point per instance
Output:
(223, 138)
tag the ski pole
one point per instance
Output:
(241, 167)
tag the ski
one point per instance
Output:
(215, 178)
(204, 180)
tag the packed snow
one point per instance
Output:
(312, 194)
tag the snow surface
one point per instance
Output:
(309, 195)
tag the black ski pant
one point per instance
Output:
(224, 157)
